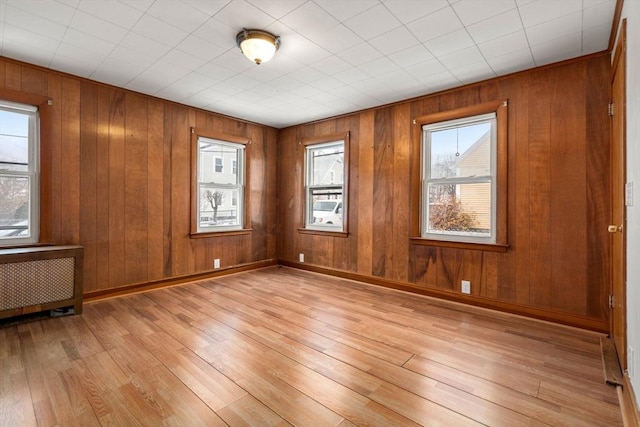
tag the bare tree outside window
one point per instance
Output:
(215, 199)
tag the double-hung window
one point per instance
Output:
(220, 190)
(19, 173)
(325, 194)
(459, 191)
(463, 177)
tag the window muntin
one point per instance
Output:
(19, 173)
(459, 179)
(325, 178)
(220, 190)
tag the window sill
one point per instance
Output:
(323, 232)
(208, 234)
(487, 247)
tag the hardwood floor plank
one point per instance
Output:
(248, 412)
(279, 347)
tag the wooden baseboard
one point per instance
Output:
(177, 280)
(611, 366)
(628, 404)
(555, 317)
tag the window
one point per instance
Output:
(325, 185)
(19, 173)
(462, 197)
(459, 175)
(234, 167)
(219, 194)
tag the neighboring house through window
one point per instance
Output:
(19, 173)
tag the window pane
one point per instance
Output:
(460, 209)
(217, 207)
(213, 157)
(327, 164)
(327, 207)
(461, 151)
(14, 141)
(14, 206)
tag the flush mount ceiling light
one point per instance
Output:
(257, 45)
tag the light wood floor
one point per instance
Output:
(281, 346)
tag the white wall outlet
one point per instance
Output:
(465, 287)
(301, 257)
(630, 362)
(216, 263)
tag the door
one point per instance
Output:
(617, 227)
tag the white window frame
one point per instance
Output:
(311, 186)
(239, 185)
(459, 236)
(32, 173)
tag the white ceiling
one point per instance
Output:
(336, 56)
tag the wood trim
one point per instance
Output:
(535, 313)
(225, 137)
(500, 108)
(345, 138)
(458, 113)
(24, 98)
(324, 138)
(174, 281)
(620, 48)
(628, 403)
(460, 245)
(210, 234)
(323, 233)
(617, 14)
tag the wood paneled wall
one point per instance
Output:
(558, 196)
(119, 171)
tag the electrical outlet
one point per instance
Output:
(216, 263)
(631, 362)
(301, 257)
(465, 287)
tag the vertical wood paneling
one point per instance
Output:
(116, 189)
(382, 232)
(539, 157)
(355, 186)
(401, 192)
(34, 81)
(140, 156)
(557, 191)
(55, 138)
(88, 181)
(598, 200)
(70, 137)
(13, 76)
(181, 254)
(155, 189)
(102, 188)
(2, 74)
(117, 174)
(520, 240)
(364, 202)
(568, 191)
(135, 189)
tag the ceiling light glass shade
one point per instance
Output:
(257, 45)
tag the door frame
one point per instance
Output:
(618, 307)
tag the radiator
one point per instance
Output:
(41, 278)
